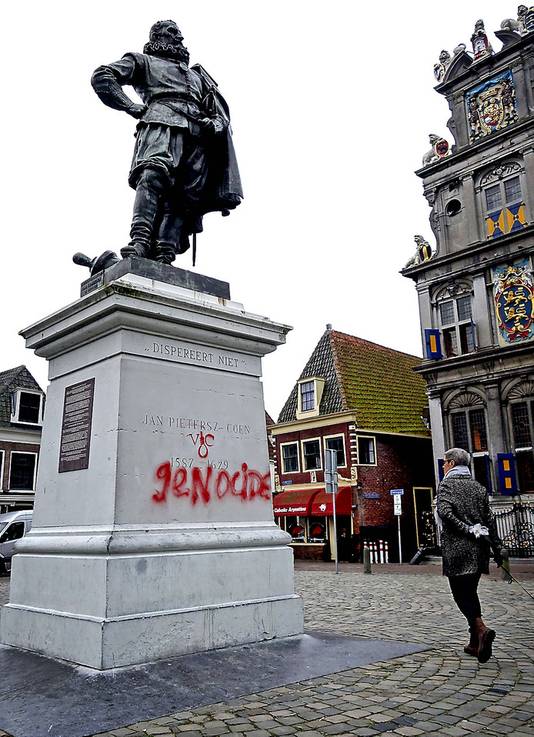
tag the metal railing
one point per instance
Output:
(515, 525)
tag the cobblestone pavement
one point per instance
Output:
(441, 691)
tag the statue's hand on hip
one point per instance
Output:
(136, 110)
(211, 125)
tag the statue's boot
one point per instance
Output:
(172, 237)
(147, 201)
(169, 234)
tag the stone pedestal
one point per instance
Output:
(153, 526)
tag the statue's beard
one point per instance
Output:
(168, 51)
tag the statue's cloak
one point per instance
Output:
(223, 191)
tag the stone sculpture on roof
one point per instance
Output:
(183, 163)
(517, 25)
(422, 253)
(444, 62)
(480, 41)
(439, 149)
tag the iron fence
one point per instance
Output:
(515, 526)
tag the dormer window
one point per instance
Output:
(27, 407)
(307, 396)
(310, 391)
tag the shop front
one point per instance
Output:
(307, 515)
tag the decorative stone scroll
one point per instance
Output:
(466, 399)
(505, 169)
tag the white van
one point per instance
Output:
(13, 526)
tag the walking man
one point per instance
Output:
(468, 532)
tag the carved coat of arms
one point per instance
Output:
(491, 106)
(513, 291)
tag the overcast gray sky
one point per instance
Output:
(331, 104)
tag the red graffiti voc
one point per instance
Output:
(207, 484)
(204, 442)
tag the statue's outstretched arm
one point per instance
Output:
(107, 82)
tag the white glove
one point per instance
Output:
(478, 530)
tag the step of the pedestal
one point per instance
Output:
(114, 586)
(109, 643)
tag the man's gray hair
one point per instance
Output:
(460, 456)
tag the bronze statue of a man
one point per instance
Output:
(184, 163)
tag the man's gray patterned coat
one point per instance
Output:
(462, 502)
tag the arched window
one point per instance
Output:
(521, 423)
(453, 305)
(503, 205)
(468, 430)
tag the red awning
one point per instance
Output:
(295, 502)
(322, 505)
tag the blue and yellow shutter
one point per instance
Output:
(507, 474)
(507, 220)
(433, 344)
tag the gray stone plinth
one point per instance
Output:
(160, 273)
(165, 544)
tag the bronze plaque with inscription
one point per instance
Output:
(76, 427)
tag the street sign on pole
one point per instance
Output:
(331, 486)
(397, 511)
(330, 471)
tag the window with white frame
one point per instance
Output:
(311, 454)
(456, 323)
(310, 391)
(366, 451)
(295, 526)
(337, 443)
(22, 471)
(307, 396)
(290, 457)
(305, 529)
(2, 457)
(317, 529)
(27, 407)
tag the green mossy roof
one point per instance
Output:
(377, 383)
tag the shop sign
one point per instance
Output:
(291, 509)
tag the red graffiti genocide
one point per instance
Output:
(206, 484)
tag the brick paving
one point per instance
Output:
(441, 691)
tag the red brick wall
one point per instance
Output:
(401, 463)
(7, 448)
(304, 476)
